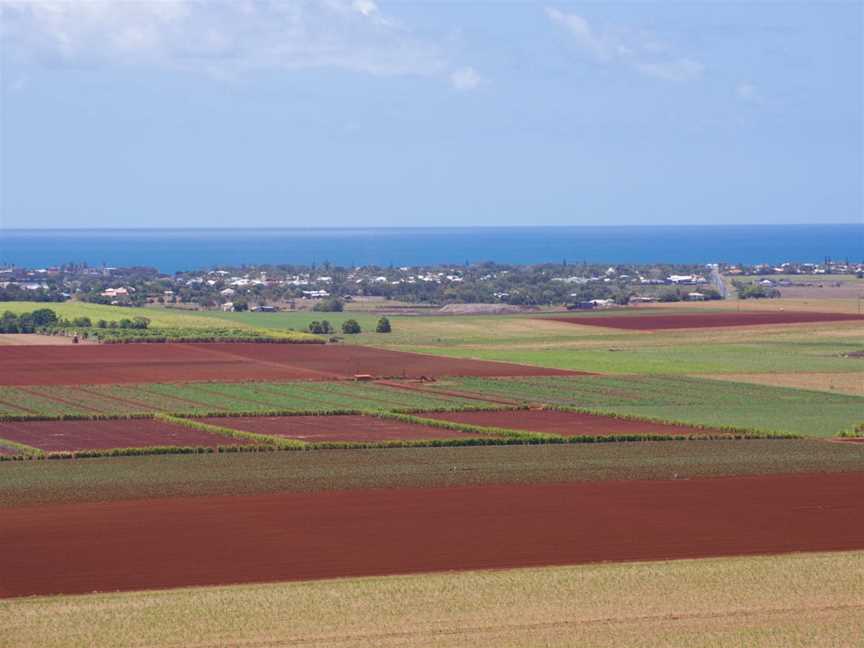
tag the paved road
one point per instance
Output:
(717, 282)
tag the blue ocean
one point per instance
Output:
(171, 250)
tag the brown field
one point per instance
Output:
(334, 428)
(159, 543)
(59, 436)
(843, 383)
(653, 322)
(782, 304)
(564, 423)
(7, 451)
(826, 291)
(139, 363)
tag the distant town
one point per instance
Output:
(326, 287)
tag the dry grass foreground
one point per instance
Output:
(791, 600)
(843, 383)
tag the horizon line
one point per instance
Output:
(413, 227)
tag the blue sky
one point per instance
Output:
(374, 113)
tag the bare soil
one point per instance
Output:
(58, 436)
(707, 320)
(159, 543)
(141, 363)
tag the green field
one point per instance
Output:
(159, 317)
(686, 400)
(668, 357)
(297, 320)
(219, 398)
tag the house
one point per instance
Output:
(695, 296)
(115, 292)
(315, 294)
(228, 307)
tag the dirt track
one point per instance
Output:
(705, 320)
(565, 423)
(77, 548)
(139, 363)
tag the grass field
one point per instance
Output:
(709, 602)
(118, 478)
(685, 399)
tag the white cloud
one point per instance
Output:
(682, 69)
(748, 92)
(636, 50)
(365, 7)
(219, 38)
(466, 78)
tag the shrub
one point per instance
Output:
(320, 328)
(383, 326)
(351, 327)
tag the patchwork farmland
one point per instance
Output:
(320, 461)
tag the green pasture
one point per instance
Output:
(688, 357)
(685, 400)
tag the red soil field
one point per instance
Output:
(706, 320)
(58, 436)
(334, 428)
(563, 423)
(140, 363)
(77, 548)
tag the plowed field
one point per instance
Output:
(564, 423)
(77, 548)
(139, 363)
(57, 436)
(706, 320)
(334, 428)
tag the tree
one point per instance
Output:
(383, 325)
(332, 305)
(351, 327)
(44, 317)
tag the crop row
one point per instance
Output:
(216, 398)
(683, 399)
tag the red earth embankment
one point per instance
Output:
(140, 363)
(77, 548)
(637, 322)
(565, 423)
(316, 429)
